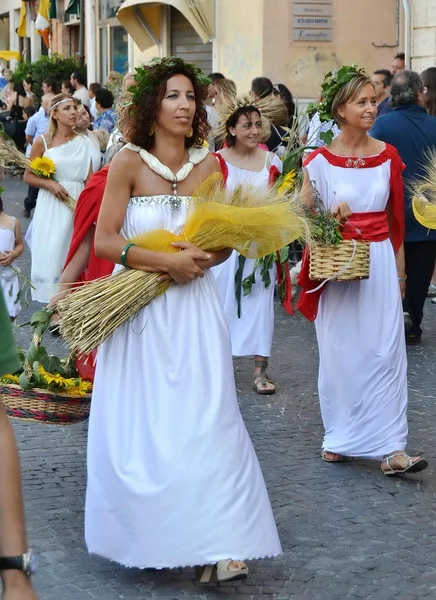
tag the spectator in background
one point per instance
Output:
(36, 126)
(398, 63)
(27, 85)
(93, 87)
(429, 81)
(211, 90)
(84, 127)
(128, 81)
(413, 133)
(381, 81)
(67, 87)
(107, 119)
(7, 88)
(288, 100)
(262, 87)
(50, 86)
(80, 89)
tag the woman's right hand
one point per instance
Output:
(58, 190)
(183, 267)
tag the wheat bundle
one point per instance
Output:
(424, 193)
(253, 222)
(10, 154)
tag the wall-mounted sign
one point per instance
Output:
(312, 21)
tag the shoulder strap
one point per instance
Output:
(45, 143)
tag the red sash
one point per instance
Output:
(368, 226)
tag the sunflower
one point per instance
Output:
(43, 167)
(57, 380)
(288, 182)
(82, 389)
(9, 378)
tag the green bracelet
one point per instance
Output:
(124, 255)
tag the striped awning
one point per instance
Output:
(142, 19)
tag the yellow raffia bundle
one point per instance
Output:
(253, 222)
(424, 193)
(41, 167)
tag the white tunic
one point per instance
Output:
(173, 479)
(9, 282)
(52, 225)
(360, 330)
(252, 332)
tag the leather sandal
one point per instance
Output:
(261, 380)
(412, 467)
(220, 572)
(339, 457)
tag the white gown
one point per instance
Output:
(360, 330)
(9, 282)
(252, 333)
(173, 479)
(52, 225)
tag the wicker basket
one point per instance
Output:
(44, 406)
(327, 261)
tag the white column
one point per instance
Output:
(35, 43)
(14, 16)
(91, 38)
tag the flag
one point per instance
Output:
(22, 25)
(42, 23)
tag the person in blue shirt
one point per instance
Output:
(107, 118)
(413, 133)
(381, 81)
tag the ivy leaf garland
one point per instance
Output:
(149, 77)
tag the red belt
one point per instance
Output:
(366, 226)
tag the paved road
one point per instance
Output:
(347, 531)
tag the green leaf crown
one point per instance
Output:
(150, 76)
(330, 87)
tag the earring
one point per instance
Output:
(189, 133)
(151, 132)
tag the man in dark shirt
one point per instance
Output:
(413, 133)
(381, 80)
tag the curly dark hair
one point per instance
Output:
(244, 110)
(137, 119)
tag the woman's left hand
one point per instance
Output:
(402, 289)
(342, 211)
(6, 258)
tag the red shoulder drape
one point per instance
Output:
(85, 215)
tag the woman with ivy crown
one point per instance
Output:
(246, 286)
(359, 324)
(173, 479)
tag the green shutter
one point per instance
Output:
(72, 8)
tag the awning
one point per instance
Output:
(142, 19)
(10, 55)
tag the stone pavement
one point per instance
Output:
(347, 531)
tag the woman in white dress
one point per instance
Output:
(173, 479)
(52, 224)
(359, 324)
(11, 247)
(250, 317)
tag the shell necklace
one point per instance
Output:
(195, 156)
(357, 162)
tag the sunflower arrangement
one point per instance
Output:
(254, 222)
(43, 371)
(41, 167)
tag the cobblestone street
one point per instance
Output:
(347, 531)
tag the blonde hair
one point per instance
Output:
(225, 90)
(53, 125)
(348, 93)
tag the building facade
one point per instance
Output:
(294, 42)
